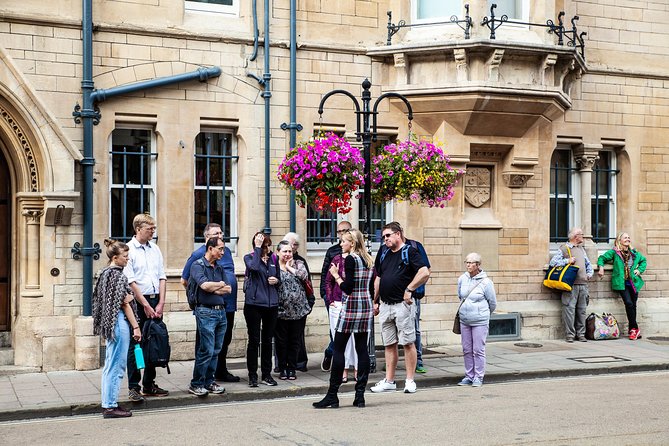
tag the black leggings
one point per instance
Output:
(340, 341)
(629, 298)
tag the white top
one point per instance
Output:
(145, 266)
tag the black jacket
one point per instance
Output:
(332, 252)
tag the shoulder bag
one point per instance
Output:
(456, 321)
(561, 277)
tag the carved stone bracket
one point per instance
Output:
(401, 65)
(586, 155)
(493, 64)
(461, 64)
(516, 179)
(548, 69)
(33, 215)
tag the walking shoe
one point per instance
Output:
(326, 363)
(283, 375)
(228, 377)
(409, 386)
(215, 389)
(291, 375)
(384, 386)
(198, 391)
(253, 381)
(155, 391)
(477, 382)
(465, 382)
(421, 369)
(582, 339)
(569, 339)
(635, 334)
(116, 412)
(135, 396)
(268, 381)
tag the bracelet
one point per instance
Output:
(135, 328)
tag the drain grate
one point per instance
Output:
(659, 338)
(599, 359)
(528, 344)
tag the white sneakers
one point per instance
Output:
(387, 386)
(384, 386)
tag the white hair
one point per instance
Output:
(473, 257)
(292, 236)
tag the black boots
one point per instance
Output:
(330, 400)
(359, 400)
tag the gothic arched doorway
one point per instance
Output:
(5, 246)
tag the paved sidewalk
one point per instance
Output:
(35, 395)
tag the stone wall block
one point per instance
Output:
(58, 353)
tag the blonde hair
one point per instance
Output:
(142, 219)
(115, 248)
(358, 240)
(618, 244)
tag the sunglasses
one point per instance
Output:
(386, 236)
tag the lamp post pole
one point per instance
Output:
(366, 133)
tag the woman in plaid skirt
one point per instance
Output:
(355, 318)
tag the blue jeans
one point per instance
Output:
(115, 362)
(211, 327)
(419, 346)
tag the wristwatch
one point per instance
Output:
(407, 290)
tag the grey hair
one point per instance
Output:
(473, 257)
(572, 233)
(292, 236)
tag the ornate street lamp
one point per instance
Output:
(366, 132)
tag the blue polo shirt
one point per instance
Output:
(202, 272)
(228, 266)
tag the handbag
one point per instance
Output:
(601, 327)
(561, 277)
(456, 320)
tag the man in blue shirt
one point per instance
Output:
(225, 262)
(210, 317)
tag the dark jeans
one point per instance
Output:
(340, 341)
(134, 374)
(211, 328)
(260, 324)
(222, 366)
(287, 335)
(629, 298)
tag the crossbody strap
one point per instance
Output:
(470, 293)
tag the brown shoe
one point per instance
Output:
(116, 412)
(155, 391)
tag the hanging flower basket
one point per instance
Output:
(413, 171)
(325, 173)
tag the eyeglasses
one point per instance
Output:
(149, 228)
(343, 231)
(386, 236)
(471, 263)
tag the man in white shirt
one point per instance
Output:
(146, 274)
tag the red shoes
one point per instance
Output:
(635, 334)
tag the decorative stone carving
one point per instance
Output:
(461, 64)
(516, 179)
(25, 146)
(493, 65)
(477, 186)
(401, 68)
(547, 69)
(33, 246)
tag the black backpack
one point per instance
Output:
(156, 343)
(192, 291)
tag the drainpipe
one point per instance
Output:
(293, 126)
(89, 115)
(266, 94)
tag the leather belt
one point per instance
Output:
(150, 296)
(213, 307)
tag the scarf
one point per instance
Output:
(110, 290)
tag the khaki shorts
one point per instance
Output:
(398, 323)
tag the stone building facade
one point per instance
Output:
(551, 137)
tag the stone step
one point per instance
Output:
(6, 356)
(10, 370)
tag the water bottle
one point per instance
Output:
(139, 357)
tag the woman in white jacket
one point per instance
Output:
(477, 294)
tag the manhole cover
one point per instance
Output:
(528, 344)
(599, 359)
(659, 338)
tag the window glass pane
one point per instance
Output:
(512, 8)
(559, 218)
(378, 213)
(213, 168)
(125, 205)
(321, 226)
(601, 175)
(134, 167)
(560, 172)
(600, 220)
(217, 210)
(430, 9)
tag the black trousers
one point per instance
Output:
(630, 298)
(222, 366)
(260, 325)
(337, 370)
(302, 358)
(287, 335)
(134, 374)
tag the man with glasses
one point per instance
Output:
(400, 270)
(210, 317)
(575, 302)
(227, 264)
(146, 275)
(332, 252)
